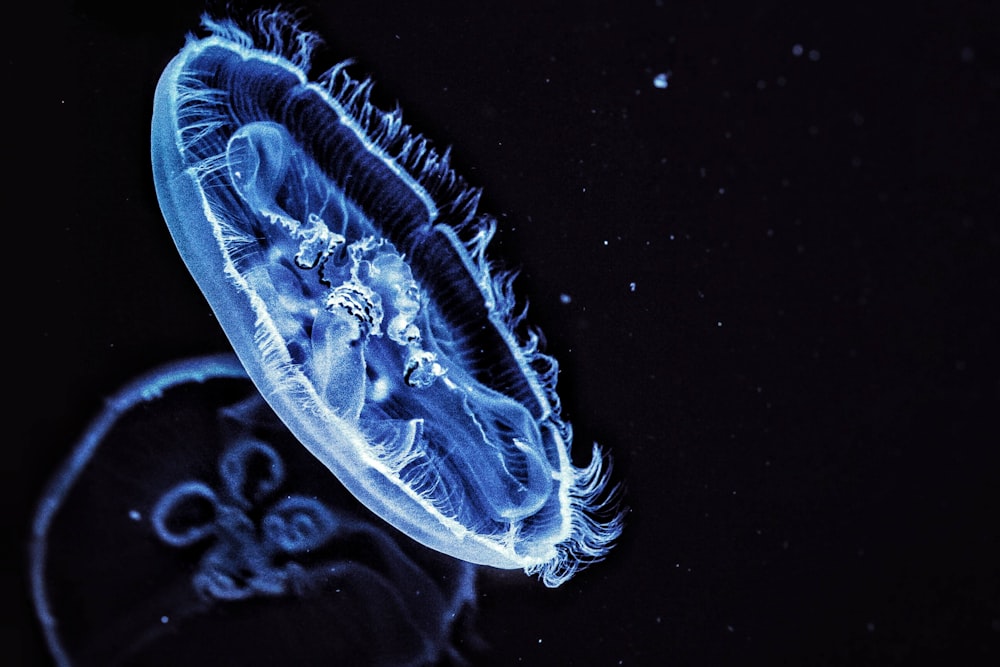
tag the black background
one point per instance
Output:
(801, 391)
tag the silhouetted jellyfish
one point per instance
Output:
(346, 263)
(190, 528)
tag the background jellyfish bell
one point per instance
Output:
(189, 527)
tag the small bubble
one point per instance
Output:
(797, 50)
(134, 515)
(164, 619)
(565, 298)
(661, 80)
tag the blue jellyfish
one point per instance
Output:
(189, 527)
(345, 261)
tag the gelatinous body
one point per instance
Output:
(190, 527)
(345, 261)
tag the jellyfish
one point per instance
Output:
(189, 527)
(346, 262)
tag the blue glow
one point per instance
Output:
(248, 556)
(346, 263)
(189, 525)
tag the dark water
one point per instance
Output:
(800, 390)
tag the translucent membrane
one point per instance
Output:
(346, 263)
(190, 528)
